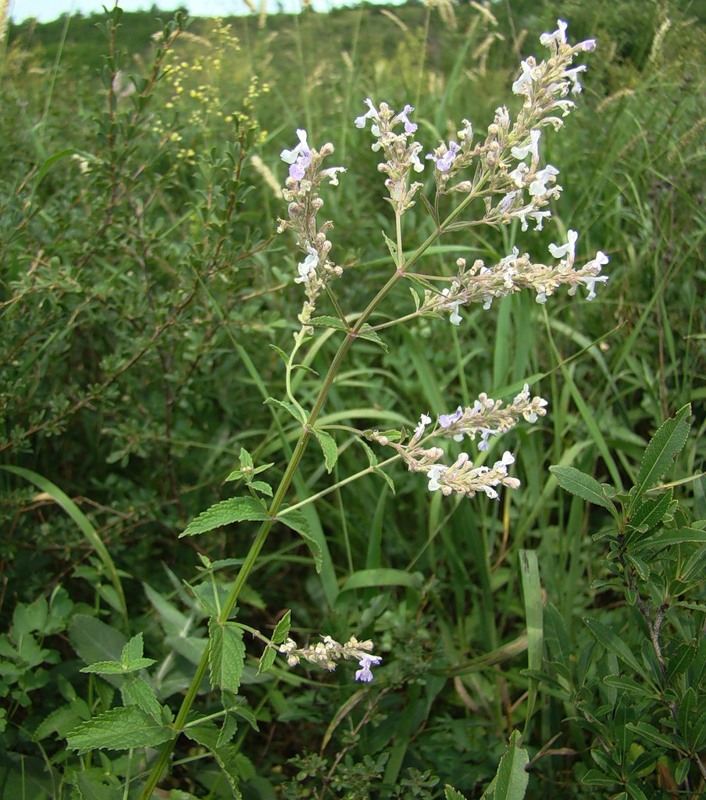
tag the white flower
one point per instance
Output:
(559, 251)
(558, 37)
(307, 268)
(531, 147)
(433, 474)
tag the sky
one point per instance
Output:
(47, 10)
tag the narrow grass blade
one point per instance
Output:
(92, 537)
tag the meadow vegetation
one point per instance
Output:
(548, 643)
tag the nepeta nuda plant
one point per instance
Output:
(500, 175)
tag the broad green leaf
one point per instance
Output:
(667, 442)
(137, 692)
(226, 656)
(586, 487)
(297, 522)
(119, 729)
(329, 448)
(374, 578)
(261, 487)
(133, 650)
(236, 509)
(614, 644)
(511, 779)
(207, 735)
(95, 641)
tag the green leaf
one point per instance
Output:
(649, 732)
(261, 487)
(281, 631)
(682, 536)
(452, 794)
(664, 446)
(119, 729)
(649, 513)
(375, 578)
(534, 617)
(339, 325)
(614, 644)
(104, 668)
(236, 509)
(297, 522)
(226, 655)
(586, 487)
(133, 649)
(329, 448)
(511, 779)
(95, 641)
(227, 757)
(267, 659)
(137, 692)
(290, 408)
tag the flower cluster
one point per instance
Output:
(400, 150)
(485, 418)
(482, 284)
(302, 195)
(512, 187)
(328, 652)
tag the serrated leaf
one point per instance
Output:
(119, 729)
(614, 644)
(236, 509)
(288, 407)
(297, 522)
(95, 641)
(649, 512)
(104, 668)
(511, 779)
(246, 462)
(366, 332)
(137, 692)
(391, 246)
(281, 631)
(452, 794)
(226, 657)
(328, 447)
(261, 487)
(664, 446)
(133, 650)
(267, 659)
(584, 486)
(207, 735)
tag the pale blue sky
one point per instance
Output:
(46, 10)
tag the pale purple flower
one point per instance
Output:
(364, 674)
(409, 127)
(558, 37)
(446, 420)
(299, 157)
(445, 162)
(371, 113)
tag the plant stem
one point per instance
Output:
(401, 269)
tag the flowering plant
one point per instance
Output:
(502, 175)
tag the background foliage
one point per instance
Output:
(140, 288)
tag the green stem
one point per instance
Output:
(285, 483)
